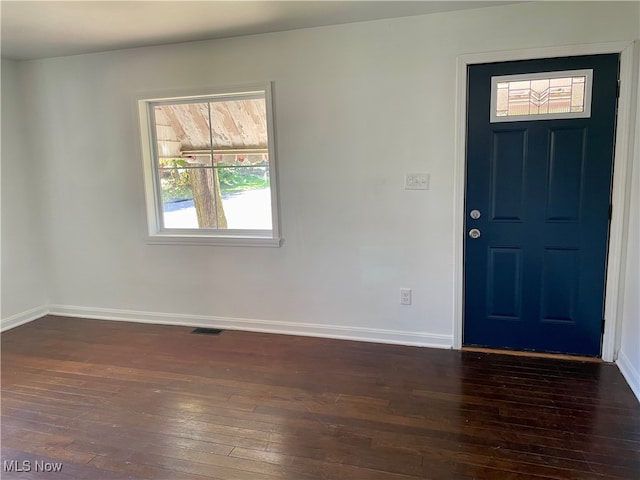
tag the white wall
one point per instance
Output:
(23, 271)
(629, 354)
(356, 107)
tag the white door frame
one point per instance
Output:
(622, 163)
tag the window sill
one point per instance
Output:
(219, 240)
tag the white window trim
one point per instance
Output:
(156, 233)
(586, 113)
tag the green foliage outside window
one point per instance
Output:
(175, 178)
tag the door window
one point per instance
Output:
(541, 96)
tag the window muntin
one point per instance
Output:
(210, 168)
(541, 96)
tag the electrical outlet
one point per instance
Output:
(405, 296)
(416, 181)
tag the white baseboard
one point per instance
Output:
(22, 318)
(254, 325)
(629, 372)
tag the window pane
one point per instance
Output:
(213, 164)
(242, 198)
(502, 99)
(181, 127)
(239, 123)
(191, 198)
(246, 197)
(553, 96)
(177, 198)
(577, 97)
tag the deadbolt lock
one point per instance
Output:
(474, 233)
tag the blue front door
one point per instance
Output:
(537, 212)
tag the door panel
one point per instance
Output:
(566, 174)
(534, 279)
(559, 285)
(507, 175)
(504, 283)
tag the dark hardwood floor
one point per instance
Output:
(112, 400)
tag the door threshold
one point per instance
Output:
(519, 353)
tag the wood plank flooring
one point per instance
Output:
(112, 400)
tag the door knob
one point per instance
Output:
(474, 233)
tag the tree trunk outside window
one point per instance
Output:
(205, 186)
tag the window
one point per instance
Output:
(541, 96)
(209, 168)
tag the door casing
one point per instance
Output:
(622, 164)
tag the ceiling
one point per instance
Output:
(41, 29)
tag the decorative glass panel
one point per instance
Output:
(541, 96)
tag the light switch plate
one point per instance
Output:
(405, 296)
(416, 181)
